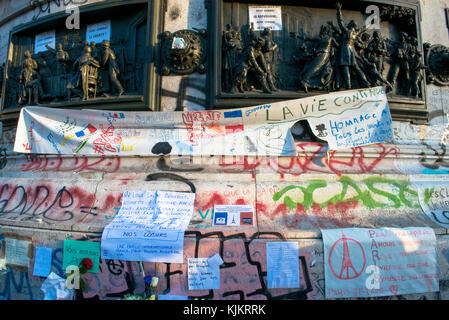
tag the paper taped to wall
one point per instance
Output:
(344, 119)
(379, 262)
(149, 226)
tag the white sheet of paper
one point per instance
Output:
(43, 39)
(215, 260)
(54, 288)
(282, 265)
(16, 252)
(405, 259)
(202, 275)
(149, 226)
(42, 262)
(265, 17)
(99, 32)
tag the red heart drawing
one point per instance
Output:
(394, 290)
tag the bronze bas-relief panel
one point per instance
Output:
(319, 50)
(77, 71)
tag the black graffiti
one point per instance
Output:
(181, 93)
(170, 176)
(300, 294)
(36, 203)
(3, 158)
(161, 148)
(437, 161)
(163, 166)
(89, 210)
(45, 6)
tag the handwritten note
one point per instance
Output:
(149, 226)
(75, 251)
(99, 32)
(203, 275)
(265, 17)
(379, 262)
(282, 265)
(42, 262)
(44, 39)
(17, 252)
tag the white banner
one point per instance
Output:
(379, 262)
(344, 119)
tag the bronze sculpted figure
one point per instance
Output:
(86, 73)
(319, 68)
(231, 53)
(109, 61)
(400, 64)
(253, 61)
(30, 83)
(348, 56)
(62, 58)
(268, 52)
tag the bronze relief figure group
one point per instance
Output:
(341, 57)
(82, 78)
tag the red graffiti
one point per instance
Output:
(71, 164)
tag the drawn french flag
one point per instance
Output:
(117, 115)
(234, 123)
(87, 130)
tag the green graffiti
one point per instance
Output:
(367, 192)
(428, 194)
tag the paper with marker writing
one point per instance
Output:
(379, 262)
(149, 226)
(282, 265)
(75, 251)
(42, 262)
(17, 252)
(202, 275)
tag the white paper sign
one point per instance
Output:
(434, 200)
(43, 39)
(379, 262)
(42, 262)
(233, 215)
(16, 252)
(265, 17)
(282, 265)
(149, 226)
(99, 32)
(202, 275)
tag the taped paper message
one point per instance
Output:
(379, 262)
(149, 226)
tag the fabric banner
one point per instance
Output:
(344, 119)
(379, 262)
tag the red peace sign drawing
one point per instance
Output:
(346, 264)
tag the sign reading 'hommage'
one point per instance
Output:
(345, 119)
